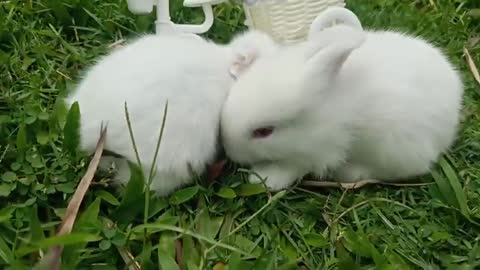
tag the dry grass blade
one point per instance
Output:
(179, 253)
(74, 204)
(129, 259)
(472, 66)
(117, 44)
(356, 185)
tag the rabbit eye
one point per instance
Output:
(262, 132)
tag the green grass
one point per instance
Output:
(45, 45)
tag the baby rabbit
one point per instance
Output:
(356, 104)
(192, 74)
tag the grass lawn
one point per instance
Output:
(45, 45)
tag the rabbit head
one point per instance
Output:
(267, 116)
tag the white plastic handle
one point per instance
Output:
(199, 3)
(164, 24)
(140, 6)
(198, 28)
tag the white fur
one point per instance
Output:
(247, 47)
(191, 73)
(380, 105)
(327, 17)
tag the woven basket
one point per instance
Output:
(287, 21)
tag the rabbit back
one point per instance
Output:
(407, 98)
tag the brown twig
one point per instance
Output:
(74, 205)
(179, 253)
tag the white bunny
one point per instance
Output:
(361, 105)
(192, 74)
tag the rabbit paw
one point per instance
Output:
(351, 173)
(276, 177)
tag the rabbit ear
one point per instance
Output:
(241, 62)
(247, 47)
(327, 52)
(327, 17)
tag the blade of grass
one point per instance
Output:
(154, 161)
(71, 130)
(152, 172)
(444, 188)
(132, 137)
(152, 166)
(190, 233)
(5, 253)
(269, 202)
(57, 242)
(454, 182)
(362, 203)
